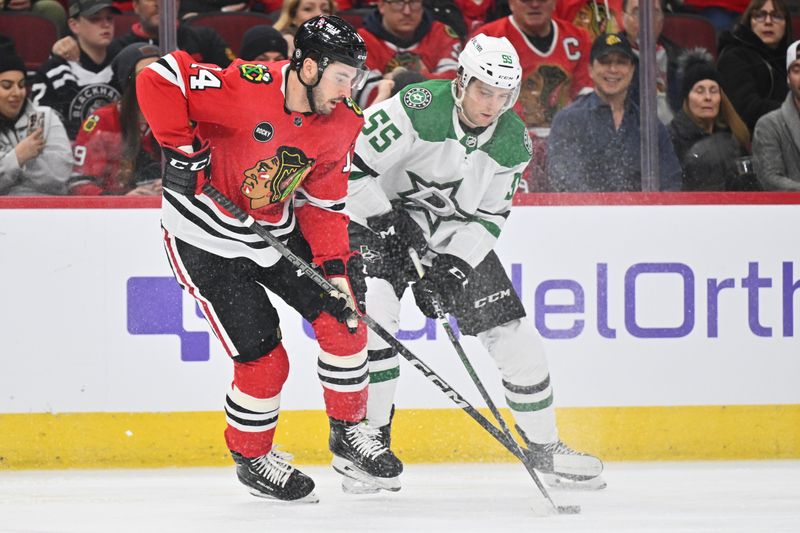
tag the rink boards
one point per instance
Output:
(671, 325)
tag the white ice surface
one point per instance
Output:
(752, 497)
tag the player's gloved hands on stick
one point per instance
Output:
(445, 281)
(181, 169)
(348, 278)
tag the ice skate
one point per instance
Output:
(360, 454)
(271, 476)
(560, 461)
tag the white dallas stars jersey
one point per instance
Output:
(456, 186)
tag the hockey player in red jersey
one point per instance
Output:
(281, 137)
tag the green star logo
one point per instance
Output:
(417, 98)
(436, 200)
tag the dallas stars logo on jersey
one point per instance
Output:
(436, 200)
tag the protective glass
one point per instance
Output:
(343, 75)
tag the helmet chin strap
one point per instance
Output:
(310, 87)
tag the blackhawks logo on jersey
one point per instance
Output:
(275, 179)
(255, 73)
(354, 106)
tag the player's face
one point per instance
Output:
(12, 93)
(483, 103)
(703, 100)
(630, 19)
(401, 17)
(336, 85)
(533, 16)
(96, 30)
(611, 74)
(308, 9)
(793, 77)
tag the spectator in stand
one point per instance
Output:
(50, 9)
(709, 137)
(667, 91)
(594, 16)
(203, 43)
(751, 59)
(594, 142)
(75, 89)
(776, 143)
(721, 13)
(555, 69)
(263, 43)
(115, 152)
(394, 81)
(35, 155)
(400, 33)
(296, 12)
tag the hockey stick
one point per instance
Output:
(441, 317)
(549, 506)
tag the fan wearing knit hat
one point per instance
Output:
(263, 43)
(35, 154)
(707, 133)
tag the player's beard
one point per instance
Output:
(323, 106)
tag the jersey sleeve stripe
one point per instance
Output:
(168, 69)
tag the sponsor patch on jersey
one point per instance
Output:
(255, 73)
(526, 140)
(90, 123)
(275, 178)
(417, 98)
(354, 106)
(263, 132)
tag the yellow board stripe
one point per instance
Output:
(130, 440)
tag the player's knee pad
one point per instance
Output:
(262, 377)
(517, 350)
(255, 348)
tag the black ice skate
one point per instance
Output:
(271, 476)
(360, 454)
(561, 461)
(354, 486)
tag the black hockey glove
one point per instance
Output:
(348, 302)
(445, 281)
(398, 232)
(181, 170)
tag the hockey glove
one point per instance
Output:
(445, 281)
(348, 302)
(181, 170)
(399, 232)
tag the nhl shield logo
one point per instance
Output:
(417, 98)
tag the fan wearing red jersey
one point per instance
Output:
(281, 137)
(400, 33)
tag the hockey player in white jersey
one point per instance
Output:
(435, 169)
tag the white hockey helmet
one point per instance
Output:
(494, 61)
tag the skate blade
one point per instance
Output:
(311, 497)
(353, 486)
(558, 482)
(348, 469)
(577, 467)
(542, 507)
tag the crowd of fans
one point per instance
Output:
(726, 123)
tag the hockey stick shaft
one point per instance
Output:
(379, 330)
(445, 324)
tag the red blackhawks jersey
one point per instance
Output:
(98, 153)
(435, 56)
(551, 79)
(283, 168)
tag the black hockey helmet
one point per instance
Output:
(328, 38)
